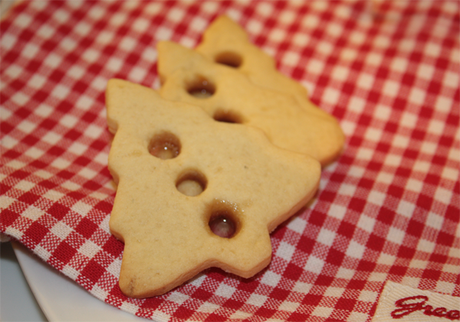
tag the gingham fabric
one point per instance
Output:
(386, 210)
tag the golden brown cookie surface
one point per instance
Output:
(226, 42)
(178, 173)
(228, 95)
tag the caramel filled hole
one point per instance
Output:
(165, 146)
(230, 59)
(227, 116)
(201, 88)
(223, 220)
(192, 183)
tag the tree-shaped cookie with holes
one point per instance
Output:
(194, 193)
(228, 95)
(226, 42)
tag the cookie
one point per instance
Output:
(194, 193)
(225, 42)
(228, 95)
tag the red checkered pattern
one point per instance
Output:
(388, 209)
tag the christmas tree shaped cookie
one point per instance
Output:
(193, 192)
(225, 42)
(228, 95)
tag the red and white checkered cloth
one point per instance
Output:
(387, 210)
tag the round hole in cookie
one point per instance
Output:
(223, 219)
(200, 87)
(229, 58)
(191, 183)
(227, 116)
(165, 145)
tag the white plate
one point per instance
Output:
(60, 298)
(17, 302)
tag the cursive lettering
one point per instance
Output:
(408, 305)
